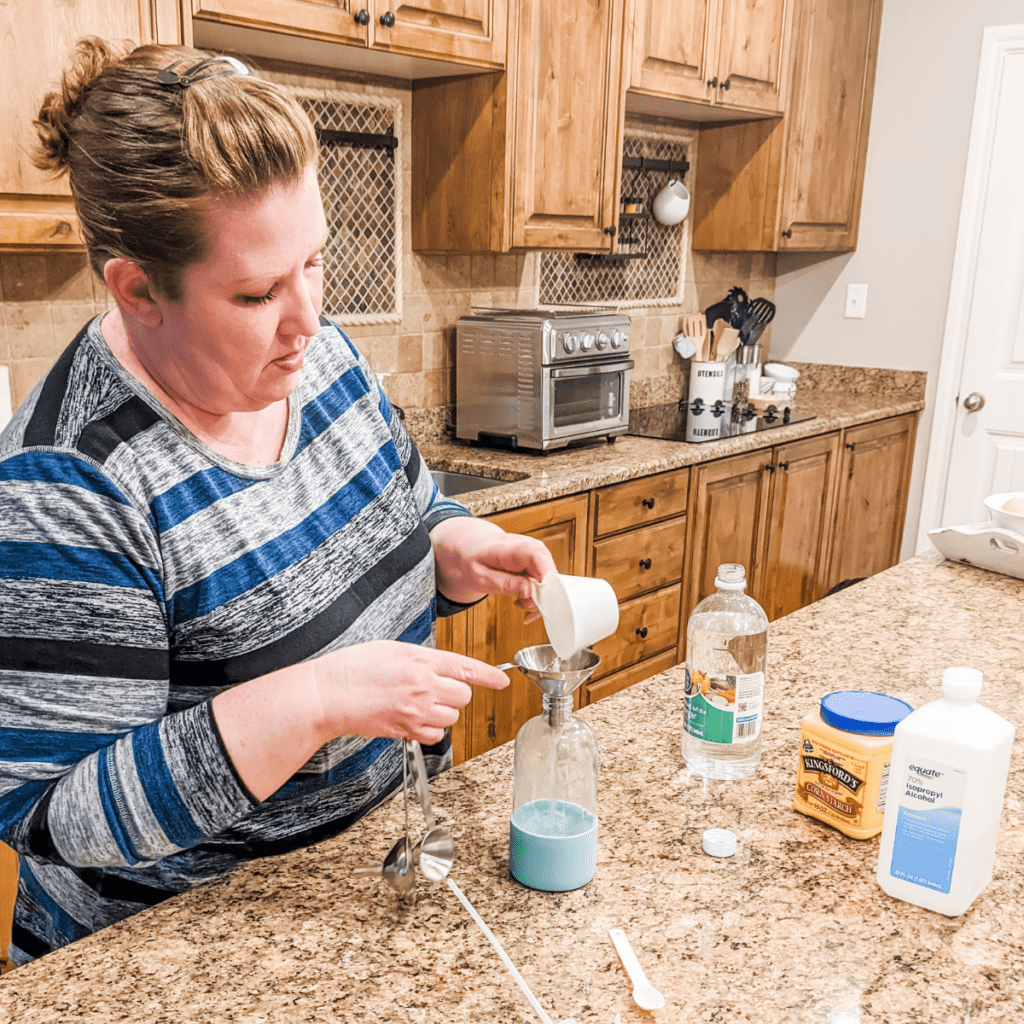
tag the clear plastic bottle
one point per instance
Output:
(950, 760)
(726, 649)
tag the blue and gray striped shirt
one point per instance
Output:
(141, 574)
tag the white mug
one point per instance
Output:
(672, 203)
(577, 611)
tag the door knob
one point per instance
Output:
(974, 401)
(362, 17)
(387, 19)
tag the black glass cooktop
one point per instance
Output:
(697, 422)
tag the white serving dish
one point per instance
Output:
(1005, 520)
(779, 371)
(984, 545)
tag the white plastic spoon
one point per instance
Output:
(645, 995)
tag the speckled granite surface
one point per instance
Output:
(536, 477)
(793, 928)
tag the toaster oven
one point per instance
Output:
(541, 379)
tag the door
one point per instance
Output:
(828, 118)
(729, 515)
(977, 441)
(799, 525)
(568, 124)
(673, 48)
(872, 501)
(338, 21)
(498, 630)
(464, 30)
(753, 55)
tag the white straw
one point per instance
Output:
(504, 956)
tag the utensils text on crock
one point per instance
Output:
(645, 995)
(434, 854)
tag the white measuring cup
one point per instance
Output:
(577, 611)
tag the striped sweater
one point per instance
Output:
(141, 574)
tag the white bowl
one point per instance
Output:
(779, 371)
(1000, 517)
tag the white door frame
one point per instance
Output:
(997, 42)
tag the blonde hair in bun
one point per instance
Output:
(145, 158)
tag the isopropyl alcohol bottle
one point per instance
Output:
(726, 646)
(947, 778)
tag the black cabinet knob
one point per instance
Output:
(387, 19)
(712, 82)
(784, 465)
(642, 632)
(647, 503)
(610, 231)
(645, 563)
(362, 17)
(788, 233)
(725, 85)
(851, 445)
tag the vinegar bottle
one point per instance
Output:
(726, 646)
(950, 760)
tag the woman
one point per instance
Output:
(221, 555)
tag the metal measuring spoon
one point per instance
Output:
(434, 854)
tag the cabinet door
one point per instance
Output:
(673, 46)
(463, 30)
(330, 20)
(872, 501)
(799, 525)
(827, 137)
(453, 635)
(728, 520)
(35, 209)
(569, 107)
(498, 630)
(753, 55)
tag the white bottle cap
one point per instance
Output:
(719, 842)
(961, 682)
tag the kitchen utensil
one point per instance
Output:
(717, 333)
(645, 995)
(760, 311)
(695, 327)
(727, 344)
(505, 958)
(672, 203)
(1007, 510)
(398, 869)
(732, 309)
(577, 610)
(434, 854)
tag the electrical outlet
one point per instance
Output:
(856, 301)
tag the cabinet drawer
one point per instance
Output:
(648, 625)
(642, 560)
(636, 502)
(628, 676)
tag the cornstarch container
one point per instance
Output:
(845, 750)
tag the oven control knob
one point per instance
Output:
(617, 339)
(587, 342)
(569, 342)
(602, 341)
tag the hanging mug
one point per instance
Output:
(672, 203)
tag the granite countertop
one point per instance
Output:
(793, 928)
(527, 477)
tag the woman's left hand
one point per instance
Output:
(475, 558)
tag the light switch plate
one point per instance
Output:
(856, 301)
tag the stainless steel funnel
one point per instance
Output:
(552, 675)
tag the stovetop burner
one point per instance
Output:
(698, 423)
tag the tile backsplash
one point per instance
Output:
(46, 298)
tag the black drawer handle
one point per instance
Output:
(642, 632)
(784, 465)
(645, 563)
(647, 503)
(852, 445)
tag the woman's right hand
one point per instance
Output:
(390, 688)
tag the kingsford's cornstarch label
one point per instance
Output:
(725, 710)
(931, 801)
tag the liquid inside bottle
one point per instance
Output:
(726, 648)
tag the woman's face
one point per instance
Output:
(236, 341)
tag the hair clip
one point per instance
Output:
(169, 77)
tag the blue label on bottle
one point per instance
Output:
(928, 824)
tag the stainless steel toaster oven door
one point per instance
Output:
(587, 398)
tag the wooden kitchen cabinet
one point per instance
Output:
(463, 31)
(871, 505)
(529, 158)
(795, 183)
(36, 211)
(726, 53)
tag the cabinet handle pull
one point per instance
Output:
(645, 563)
(647, 503)
(642, 632)
(788, 233)
(725, 84)
(784, 465)
(362, 17)
(769, 469)
(610, 231)
(851, 445)
(713, 82)
(387, 19)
